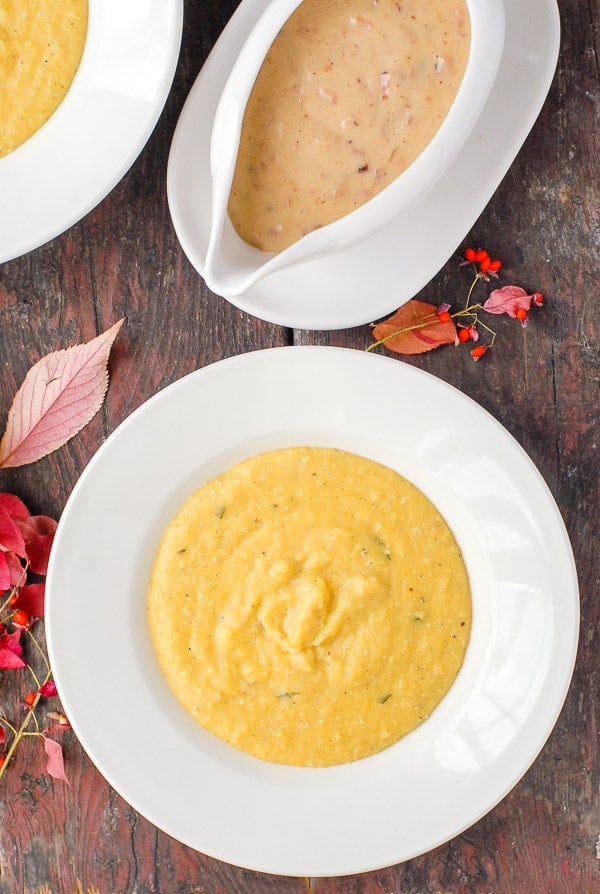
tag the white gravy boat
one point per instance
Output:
(232, 266)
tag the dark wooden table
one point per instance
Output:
(123, 259)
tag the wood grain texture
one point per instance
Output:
(541, 382)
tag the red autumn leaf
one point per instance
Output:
(13, 506)
(38, 534)
(2, 735)
(508, 300)
(12, 641)
(10, 651)
(4, 573)
(58, 727)
(414, 329)
(17, 571)
(11, 538)
(48, 689)
(10, 661)
(30, 599)
(60, 394)
(55, 764)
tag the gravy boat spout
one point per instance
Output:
(232, 266)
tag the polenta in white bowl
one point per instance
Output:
(85, 82)
(388, 806)
(41, 45)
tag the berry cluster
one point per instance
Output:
(25, 543)
(512, 300)
(419, 326)
(483, 261)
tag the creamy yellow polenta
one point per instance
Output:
(309, 606)
(41, 44)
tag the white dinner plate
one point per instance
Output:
(380, 810)
(94, 136)
(371, 278)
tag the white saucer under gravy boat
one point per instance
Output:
(232, 266)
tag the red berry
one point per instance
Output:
(495, 266)
(30, 698)
(478, 352)
(484, 264)
(13, 599)
(20, 618)
(470, 255)
(444, 316)
(521, 313)
(464, 334)
(2, 759)
(480, 255)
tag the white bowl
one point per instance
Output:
(373, 812)
(73, 161)
(232, 266)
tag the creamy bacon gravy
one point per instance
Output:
(350, 93)
(41, 44)
(309, 606)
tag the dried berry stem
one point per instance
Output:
(22, 730)
(6, 722)
(40, 652)
(14, 589)
(491, 331)
(16, 739)
(6, 604)
(470, 292)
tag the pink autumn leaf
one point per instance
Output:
(11, 538)
(38, 534)
(30, 599)
(60, 394)
(48, 689)
(55, 765)
(508, 300)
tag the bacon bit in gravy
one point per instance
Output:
(359, 20)
(384, 81)
(328, 95)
